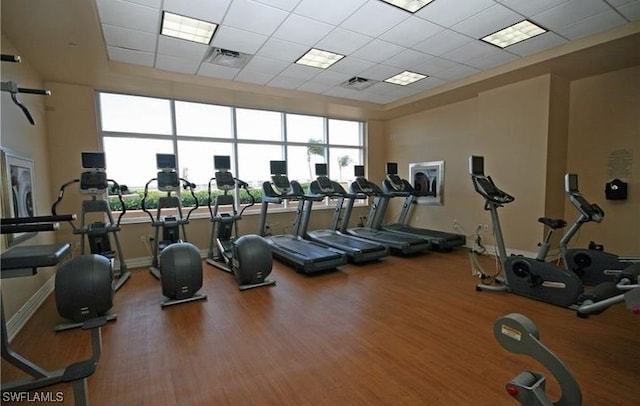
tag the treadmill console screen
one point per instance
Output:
(221, 162)
(165, 161)
(278, 167)
(321, 176)
(93, 160)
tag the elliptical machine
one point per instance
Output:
(175, 263)
(532, 277)
(247, 258)
(94, 182)
(592, 264)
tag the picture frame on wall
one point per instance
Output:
(428, 179)
(18, 191)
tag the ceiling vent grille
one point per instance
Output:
(358, 83)
(228, 58)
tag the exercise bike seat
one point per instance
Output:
(553, 223)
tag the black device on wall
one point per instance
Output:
(616, 190)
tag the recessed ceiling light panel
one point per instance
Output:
(318, 58)
(410, 5)
(405, 78)
(513, 34)
(187, 28)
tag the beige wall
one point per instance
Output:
(605, 117)
(509, 127)
(30, 141)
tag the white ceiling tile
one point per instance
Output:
(381, 72)
(351, 66)
(487, 21)
(302, 30)
(329, 11)
(217, 71)
(255, 17)
(434, 65)
(491, 60)
(342, 92)
(266, 65)
(331, 78)
(537, 44)
(383, 98)
(591, 25)
(207, 10)
(374, 18)
(237, 40)
(631, 11)
(406, 58)
(148, 3)
(130, 56)
(283, 50)
(411, 31)
(529, 8)
(447, 14)
(287, 5)
(301, 71)
(130, 39)
(570, 13)
(470, 51)
(254, 77)
(459, 72)
(314, 87)
(181, 48)
(377, 51)
(442, 42)
(286, 82)
(176, 64)
(428, 83)
(343, 41)
(619, 3)
(129, 15)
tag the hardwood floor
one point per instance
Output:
(402, 331)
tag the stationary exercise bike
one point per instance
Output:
(247, 258)
(95, 183)
(517, 334)
(592, 264)
(176, 263)
(531, 277)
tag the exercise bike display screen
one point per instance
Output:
(168, 181)
(93, 182)
(476, 165)
(392, 168)
(93, 160)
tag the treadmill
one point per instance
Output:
(305, 256)
(358, 250)
(394, 186)
(398, 243)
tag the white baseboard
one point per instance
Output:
(15, 324)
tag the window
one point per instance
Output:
(134, 129)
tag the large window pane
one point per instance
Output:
(135, 114)
(301, 161)
(132, 161)
(196, 160)
(253, 162)
(341, 162)
(203, 120)
(343, 132)
(304, 128)
(259, 125)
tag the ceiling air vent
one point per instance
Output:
(228, 58)
(358, 83)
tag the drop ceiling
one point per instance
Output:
(442, 40)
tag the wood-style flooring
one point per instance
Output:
(401, 331)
